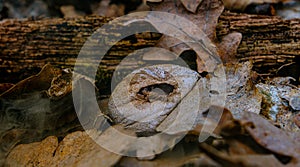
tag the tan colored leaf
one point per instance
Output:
(114, 10)
(159, 55)
(34, 154)
(76, 149)
(69, 11)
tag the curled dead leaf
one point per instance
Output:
(38, 82)
(270, 137)
(240, 160)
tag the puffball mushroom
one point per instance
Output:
(144, 98)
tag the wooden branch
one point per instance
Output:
(26, 45)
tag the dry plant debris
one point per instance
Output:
(259, 126)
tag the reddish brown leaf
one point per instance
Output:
(184, 154)
(191, 5)
(228, 47)
(239, 160)
(271, 137)
(38, 82)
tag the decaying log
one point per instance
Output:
(26, 45)
(269, 41)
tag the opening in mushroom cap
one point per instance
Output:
(156, 92)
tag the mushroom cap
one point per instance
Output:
(144, 98)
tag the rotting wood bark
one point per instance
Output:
(269, 41)
(26, 45)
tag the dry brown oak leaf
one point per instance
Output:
(39, 106)
(272, 138)
(204, 14)
(283, 144)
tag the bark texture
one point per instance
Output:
(268, 41)
(27, 45)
